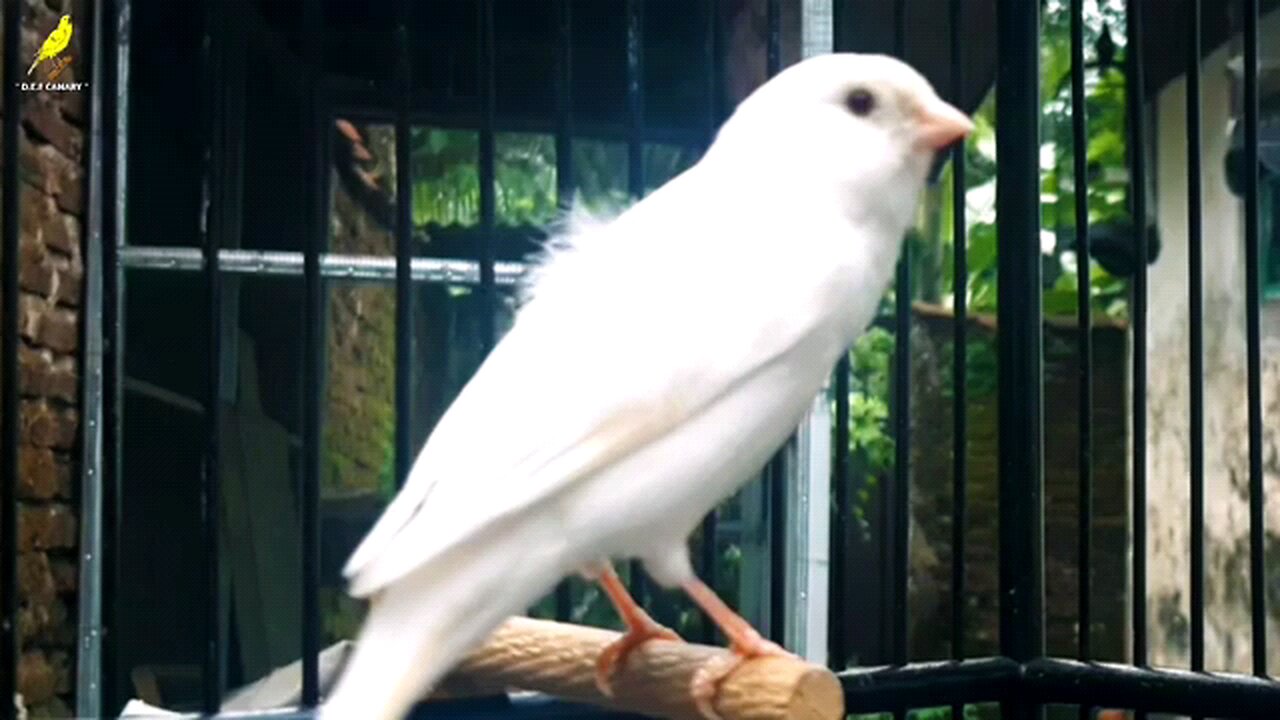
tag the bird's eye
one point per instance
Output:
(861, 102)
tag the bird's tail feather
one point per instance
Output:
(425, 622)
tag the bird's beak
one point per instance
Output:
(939, 124)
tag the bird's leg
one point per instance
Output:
(640, 629)
(745, 643)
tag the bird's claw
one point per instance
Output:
(615, 654)
(708, 678)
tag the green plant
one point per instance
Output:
(934, 241)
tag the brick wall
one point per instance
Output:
(51, 279)
(932, 479)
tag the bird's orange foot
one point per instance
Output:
(615, 655)
(709, 677)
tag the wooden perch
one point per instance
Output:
(559, 660)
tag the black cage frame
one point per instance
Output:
(1022, 679)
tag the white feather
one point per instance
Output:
(660, 358)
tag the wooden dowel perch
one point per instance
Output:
(559, 660)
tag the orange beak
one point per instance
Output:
(939, 124)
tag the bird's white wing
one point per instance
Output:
(586, 376)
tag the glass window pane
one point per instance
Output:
(448, 348)
(164, 435)
(261, 469)
(663, 162)
(446, 180)
(357, 455)
(161, 590)
(600, 175)
(525, 165)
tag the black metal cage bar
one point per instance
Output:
(1079, 156)
(1019, 341)
(709, 549)
(1253, 322)
(1195, 304)
(634, 18)
(404, 250)
(776, 473)
(1136, 98)
(315, 184)
(564, 177)
(9, 422)
(219, 221)
(900, 548)
(960, 357)
(1024, 677)
(115, 181)
(841, 479)
(488, 188)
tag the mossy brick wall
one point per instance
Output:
(360, 412)
(931, 492)
(51, 277)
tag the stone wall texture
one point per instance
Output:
(1228, 609)
(51, 275)
(931, 489)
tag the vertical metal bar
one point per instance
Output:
(839, 651)
(777, 470)
(901, 415)
(211, 222)
(9, 367)
(1021, 482)
(488, 191)
(776, 476)
(564, 179)
(1253, 295)
(116, 152)
(313, 340)
(709, 550)
(960, 359)
(900, 28)
(840, 478)
(404, 251)
(564, 103)
(635, 160)
(88, 671)
(1079, 157)
(1195, 305)
(635, 98)
(1138, 311)
(773, 45)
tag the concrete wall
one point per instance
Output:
(1226, 459)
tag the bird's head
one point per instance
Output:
(64, 22)
(864, 127)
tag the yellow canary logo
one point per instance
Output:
(54, 44)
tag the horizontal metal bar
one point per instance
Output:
(937, 684)
(1173, 691)
(522, 706)
(928, 684)
(525, 123)
(332, 265)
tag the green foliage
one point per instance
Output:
(869, 440)
(1107, 175)
(525, 170)
(446, 180)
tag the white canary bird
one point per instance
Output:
(658, 362)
